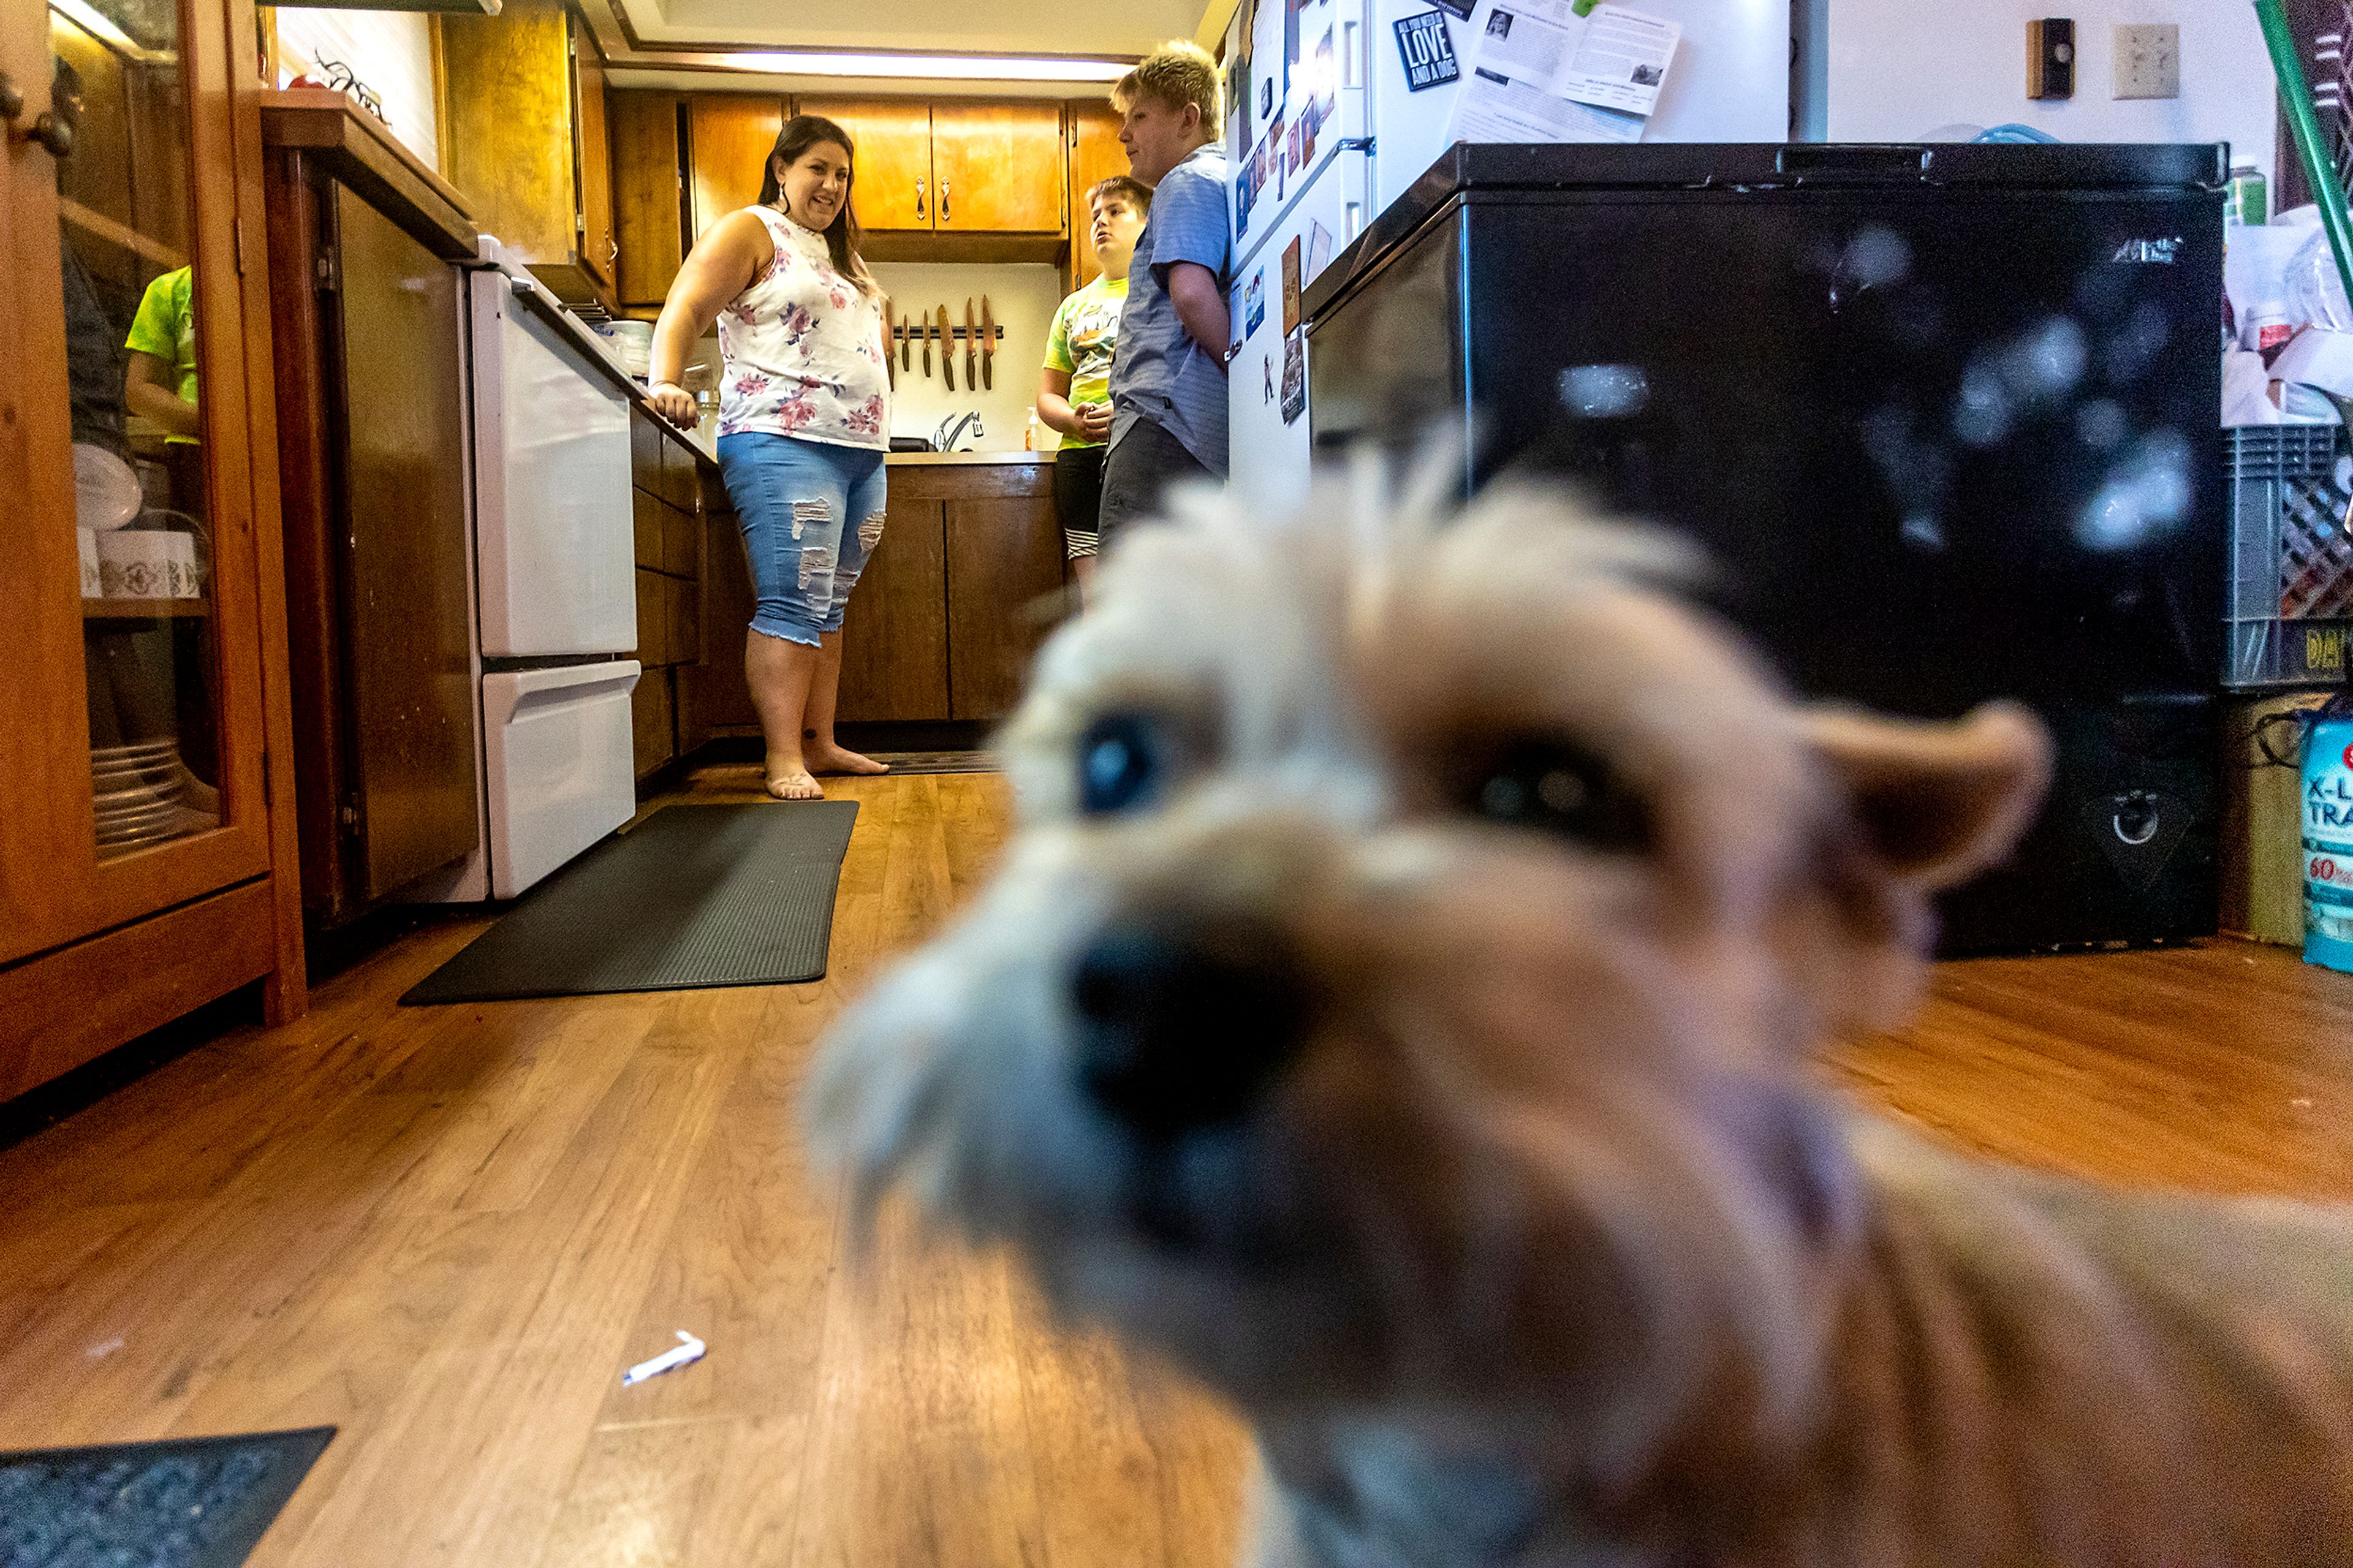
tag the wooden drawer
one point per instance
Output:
(653, 526)
(682, 543)
(678, 484)
(653, 618)
(682, 622)
(721, 696)
(653, 722)
(646, 446)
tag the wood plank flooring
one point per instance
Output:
(447, 1230)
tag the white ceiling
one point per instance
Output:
(1118, 29)
(709, 45)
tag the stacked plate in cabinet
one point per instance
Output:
(139, 789)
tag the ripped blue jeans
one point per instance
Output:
(811, 512)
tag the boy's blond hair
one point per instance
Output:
(1173, 75)
(1127, 188)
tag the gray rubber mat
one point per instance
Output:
(196, 1502)
(693, 896)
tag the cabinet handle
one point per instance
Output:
(944, 200)
(53, 133)
(919, 201)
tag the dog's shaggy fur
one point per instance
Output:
(1512, 897)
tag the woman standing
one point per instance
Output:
(804, 423)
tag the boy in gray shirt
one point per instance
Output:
(1169, 377)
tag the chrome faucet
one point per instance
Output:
(952, 430)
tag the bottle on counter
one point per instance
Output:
(2265, 327)
(2249, 199)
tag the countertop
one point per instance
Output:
(963, 460)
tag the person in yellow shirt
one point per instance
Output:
(1074, 391)
(161, 382)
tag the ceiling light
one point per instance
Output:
(102, 27)
(951, 67)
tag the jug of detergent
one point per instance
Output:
(2329, 844)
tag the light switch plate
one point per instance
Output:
(2149, 60)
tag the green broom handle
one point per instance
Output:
(2326, 188)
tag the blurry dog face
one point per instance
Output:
(1394, 991)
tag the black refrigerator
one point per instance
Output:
(1943, 419)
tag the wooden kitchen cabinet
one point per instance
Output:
(728, 136)
(952, 165)
(895, 643)
(524, 140)
(649, 226)
(992, 163)
(592, 155)
(1094, 154)
(146, 835)
(892, 170)
(1005, 578)
(369, 338)
(668, 482)
(953, 603)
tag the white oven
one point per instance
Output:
(554, 585)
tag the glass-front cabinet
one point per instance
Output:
(135, 715)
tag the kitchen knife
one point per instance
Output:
(971, 346)
(948, 351)
(987, 346)
(906, 346)
(927, 347)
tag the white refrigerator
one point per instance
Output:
(1324, 133)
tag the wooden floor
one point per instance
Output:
(447, 1230)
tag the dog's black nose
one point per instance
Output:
(1181, 1029)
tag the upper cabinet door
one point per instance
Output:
(890, 167)
(509, 141)
(729, 137)
(645, 194)
(993, 164)
(131, 706)
(1095, 155)
(599, 251)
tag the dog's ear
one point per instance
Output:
(1937, 803)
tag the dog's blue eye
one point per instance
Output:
(1119, 765)
(1556, 788)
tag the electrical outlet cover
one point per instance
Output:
(2149, 60)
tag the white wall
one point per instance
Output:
(390, 51)
(1900, 69)
(1022, 297)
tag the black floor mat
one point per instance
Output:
(200, 1503)
(904, 764)
(693, 896)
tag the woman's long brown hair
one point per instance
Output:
(800, 134)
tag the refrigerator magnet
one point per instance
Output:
(1426, 51)
(1291, 286)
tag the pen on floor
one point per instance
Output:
(690, 1349)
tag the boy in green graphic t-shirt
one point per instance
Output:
(1074, 392)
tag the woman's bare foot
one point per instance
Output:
(795, 784)
(835, 760)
